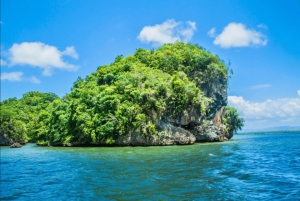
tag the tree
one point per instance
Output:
(232, 122)
(20, 118)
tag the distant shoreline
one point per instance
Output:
(267, 132)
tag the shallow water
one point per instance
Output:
(249, 167)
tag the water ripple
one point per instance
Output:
(251, 167)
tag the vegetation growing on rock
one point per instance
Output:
(129, 96)
(232, 122)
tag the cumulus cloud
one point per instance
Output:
(237, 35)
(168, 32)
(70, 51)
(260, 86)
(18, 77)
(41, 55)
(280, 109)
(13, 76)
(298, 93)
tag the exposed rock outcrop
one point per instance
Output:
(168, 135)
(185, 129)
(216, 89)
(208, 133)
(207, 128)
(16, 145)
(203, 128)
(4, 140)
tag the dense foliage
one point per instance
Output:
(130, 95)
(232, 121)
(22, 119)
(201, 66)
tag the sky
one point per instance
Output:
(47, 45)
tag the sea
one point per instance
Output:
(249, 167)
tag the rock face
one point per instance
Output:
(204, 130)
(208, 133)
(16, 145)
(4, 140)
(216, 89)
(168, 135)
(184, 130)
(209, 128)
(190, 126)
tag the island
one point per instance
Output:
(174, 95)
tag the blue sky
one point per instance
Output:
(46, 45)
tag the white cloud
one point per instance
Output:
(260, 86)
(18, 77)
(298, 93)
(34, 80)
(2, 62)
(13, 76)
(70, 51)
(237, 35)
(41, 55)
(212, 32)
(187, 33)
(168, 32)
(280, 109)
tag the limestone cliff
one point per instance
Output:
(190, 126)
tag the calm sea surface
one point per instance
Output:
(249, 167)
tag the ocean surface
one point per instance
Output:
(249, 167)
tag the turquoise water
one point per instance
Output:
(249, 167)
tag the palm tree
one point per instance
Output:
(232, 122)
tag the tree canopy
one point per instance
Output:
(129, 95)
(232, 121)
(21, 119)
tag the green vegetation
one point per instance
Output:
(130, 95)
(232, 121)
(22, 119)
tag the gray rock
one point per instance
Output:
(190, 115)
(204, 130)
(168, 135)
(4, 140)
(216, 89)
(210, 133)
(16, 145)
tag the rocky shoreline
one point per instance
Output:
(6, 141)
(190, 132)
(187, 129)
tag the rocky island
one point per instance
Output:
(175, 95)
